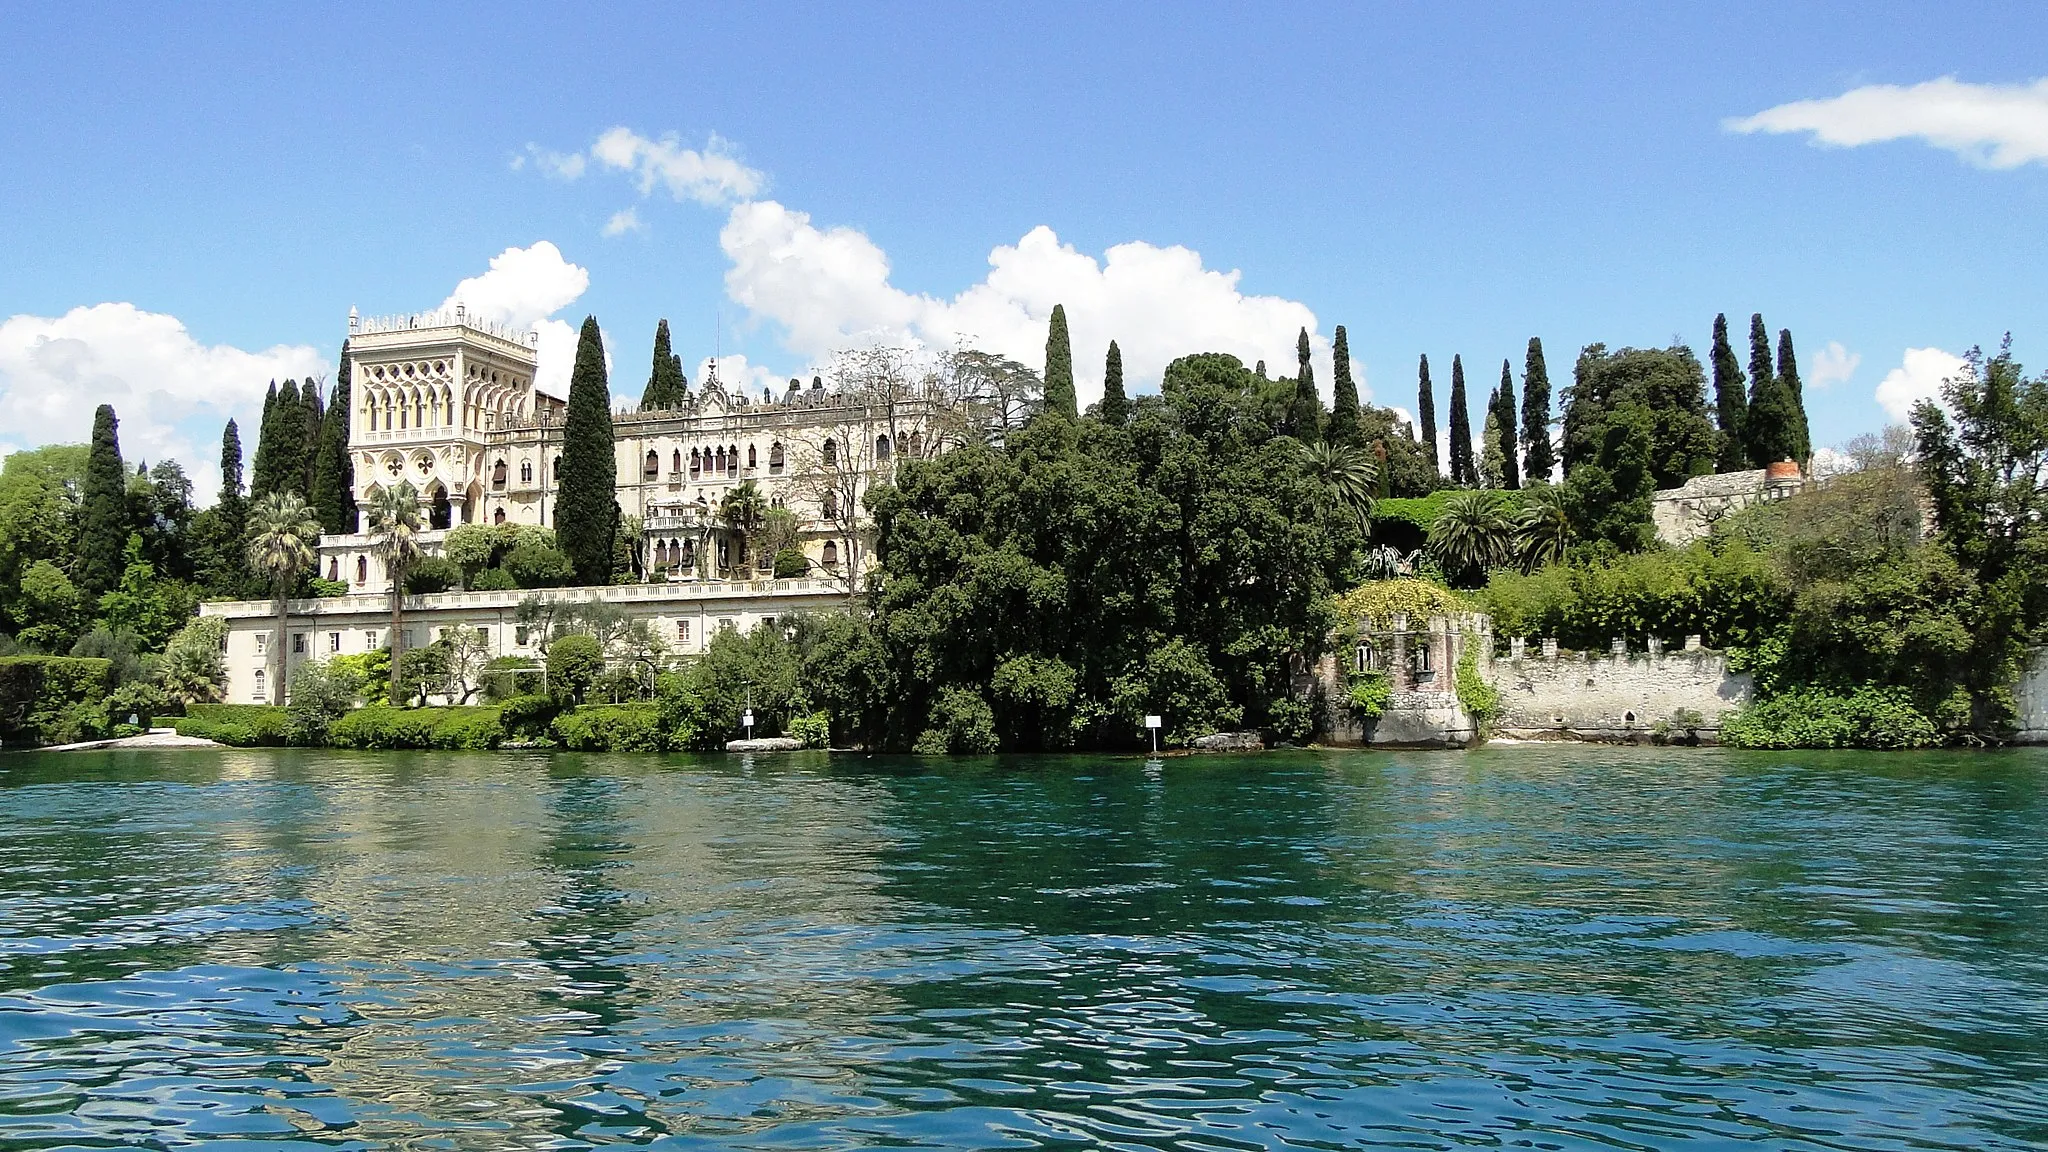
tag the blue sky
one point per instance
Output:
(1438, 178)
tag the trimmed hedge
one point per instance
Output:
(53, 699)
(610, 728)
(242, 725)
(385, 727)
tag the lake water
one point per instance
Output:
(1514, 948)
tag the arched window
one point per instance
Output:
(917, 445)
(652, 467)
(498, 517)
(751, 462)
(526, 471)
(831, 454)
(831, 505)
(696, 464)
(260, 694)
(882, 449)
(732, 460)
(334, 567)
(498, 474)
(675, 462)
(363, 564)
(1364, 660)
(689, 553)
(555, 468)
(720, 467)
(775, 458)
(831, 554)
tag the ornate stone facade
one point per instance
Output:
(448, 403)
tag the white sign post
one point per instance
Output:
(1153, 725)
(747, 718)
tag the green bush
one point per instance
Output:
(432, 574)
(610, 728)
(493, 580)
(1475, 695)
(53, 699)
(528, 716)
(813, 728)
(574, 662)
(791, 563)
(242, 725)
(1370, 692)
(1878, 718)
(385, 727)
(324, 587)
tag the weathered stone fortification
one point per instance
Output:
(1420, 660)
(1687, 513)
(1617, 695)
(2033, 700)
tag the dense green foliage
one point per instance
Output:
(586, 511)
(611, 728)
(53, 699)
(667, 388)
(1305, 409)
(1794, 394)
(241, 725)
(1880, 718)
(384, 727)
(1768, 425)
(1506, 439)
(1425, 406)
(333, 494)
(1634, 421)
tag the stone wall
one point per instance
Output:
(2033, 700)
(1620, 696)
(1420, 660)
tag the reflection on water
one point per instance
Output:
(1517, 948)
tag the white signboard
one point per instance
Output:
(1153, 722)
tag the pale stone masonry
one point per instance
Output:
(683, 616)
(1688, 512)
(1616, 695)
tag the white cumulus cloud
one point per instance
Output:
(1989, 125)
(623, 221)
(524, 288)
(171, 392)
(711, 176)
(829, 288)
(1834, 365)
(1918, 377)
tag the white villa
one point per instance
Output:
(448, 402)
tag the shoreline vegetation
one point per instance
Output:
(1063, 574)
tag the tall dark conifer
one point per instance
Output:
(1538, 457)
(1793, 397)
(1730, 405)
(1425, 403)
(281, 446)
(103, 518)
(334, 471)
(260, 468)
(1116, 406)
(666, 389)
(313, 415)
(1343, 392)
(1463, 469)
(1504, 419)
(586, 510)
(1059, 366)
(1305, 413)
(1763, 443)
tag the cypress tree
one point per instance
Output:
(1463, 471)
(1759, 440)
(334, 471)
(585, 509)
(1260, 371)
(666, 387)
(1116, 407)
(1793, 396)
(1504, 421)
(1730, 405)
(1538, 458)
(1343, 392)
(314, 416)
(1059, 366)
(1305, 414)
(103, 519)
(266, 444)
(281, 446)
(1425, 401)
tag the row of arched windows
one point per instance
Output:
(498, 472)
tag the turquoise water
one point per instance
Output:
(1516, 948)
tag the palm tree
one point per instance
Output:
(1344, 476)
(281, 535)
(1543, 529)
(743, 510)
(1471, 534)
(394, 521)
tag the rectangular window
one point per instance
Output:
(682, 631)
(334, 641)
(262, 643)
(483, 635)
(519, 635)
(370, 639)
(298, 643)
(729, 624)
(407, 634)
